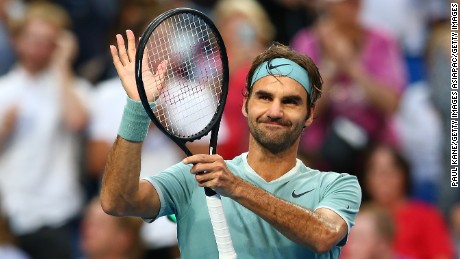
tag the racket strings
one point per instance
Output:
(191, 90)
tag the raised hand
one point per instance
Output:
(66, 51)
(124, 61)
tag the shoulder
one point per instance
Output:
(327, 177)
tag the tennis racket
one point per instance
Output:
(185, 45)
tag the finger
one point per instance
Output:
(131, 45)
(122, 50)
(115, 58)
(200, 158)
(160, 75)
(201, 168)
(206, 180)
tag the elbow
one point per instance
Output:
(109, 207)
(327, 241)
(112, 207)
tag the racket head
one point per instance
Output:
(195, 85)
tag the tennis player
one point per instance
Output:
(276, 207)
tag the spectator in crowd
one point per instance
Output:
(420, 229)
(364, 76)
(438, 61)
(42, 112)
(410, 24)
(107, 237)
(373, 235)
(419, 127)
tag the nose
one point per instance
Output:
(275, 110)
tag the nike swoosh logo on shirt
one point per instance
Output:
(295, 195)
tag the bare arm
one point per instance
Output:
(319, 230)
(74, 113)
(122, 193)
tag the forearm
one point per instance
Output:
(74, 113)
(120, 192)
(382, 96)
(300, 225)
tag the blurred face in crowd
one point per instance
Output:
(385, 181)
(364, 241)
(36, 44)
(101, 235)
(345, 12)
(237, 33)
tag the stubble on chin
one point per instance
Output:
(276, 141)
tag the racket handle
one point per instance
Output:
(209, 192)
(220, 227)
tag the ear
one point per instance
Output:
(243, 107)
(310, 119)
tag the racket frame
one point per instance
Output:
(214, 124)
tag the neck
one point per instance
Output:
(393, 206)
(271, 166)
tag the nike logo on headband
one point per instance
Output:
(270, 66)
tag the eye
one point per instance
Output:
(265, 97)
(292, 101)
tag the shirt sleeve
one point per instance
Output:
(342, 194)
(175, 187)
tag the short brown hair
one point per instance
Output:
(278, 50)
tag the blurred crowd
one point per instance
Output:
(384, 116)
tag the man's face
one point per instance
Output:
(36, 44)
(277, 112)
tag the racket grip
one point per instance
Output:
(220, 227)
(209, 192)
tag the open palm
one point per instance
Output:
(124, 61)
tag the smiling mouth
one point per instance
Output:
(275, 124)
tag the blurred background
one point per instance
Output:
(384, 116)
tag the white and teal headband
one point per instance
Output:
(283, 67)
